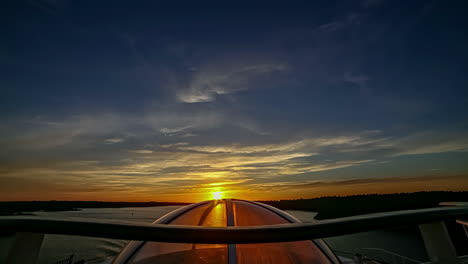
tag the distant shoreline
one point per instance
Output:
(326, 207)
(28, 207)
(343, 206)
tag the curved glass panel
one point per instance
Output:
(209, 214)
(214, 214)
(248, 214)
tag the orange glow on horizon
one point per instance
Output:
(223, 190)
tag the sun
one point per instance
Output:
(217, 195)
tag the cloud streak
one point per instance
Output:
(147, 160)
(209, 83)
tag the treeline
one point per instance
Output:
(327, 207)
(14, 208)
(342, 206)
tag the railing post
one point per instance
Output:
(438, 244)
(24, 248)
(466, 230)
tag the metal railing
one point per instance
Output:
(27, 233)
(230, 235)
(465, 225)
(382, 255)
(388, 256)
(69, 259)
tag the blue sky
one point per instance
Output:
(147, 101)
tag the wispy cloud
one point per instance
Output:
(207, 84)
(431, 142)
(347, 183)
(341, 23)
(141, 151)
(166, 130)
(144, 159)
(358, 79)
(113, 140)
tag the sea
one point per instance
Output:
(385, 245)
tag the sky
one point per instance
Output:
(151, 101)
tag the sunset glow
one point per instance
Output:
(217, 195)
(150, 102)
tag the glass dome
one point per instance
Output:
(222, 213)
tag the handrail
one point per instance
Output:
(459, 204)
(393, 254)
(462, 222)
(230, 235)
